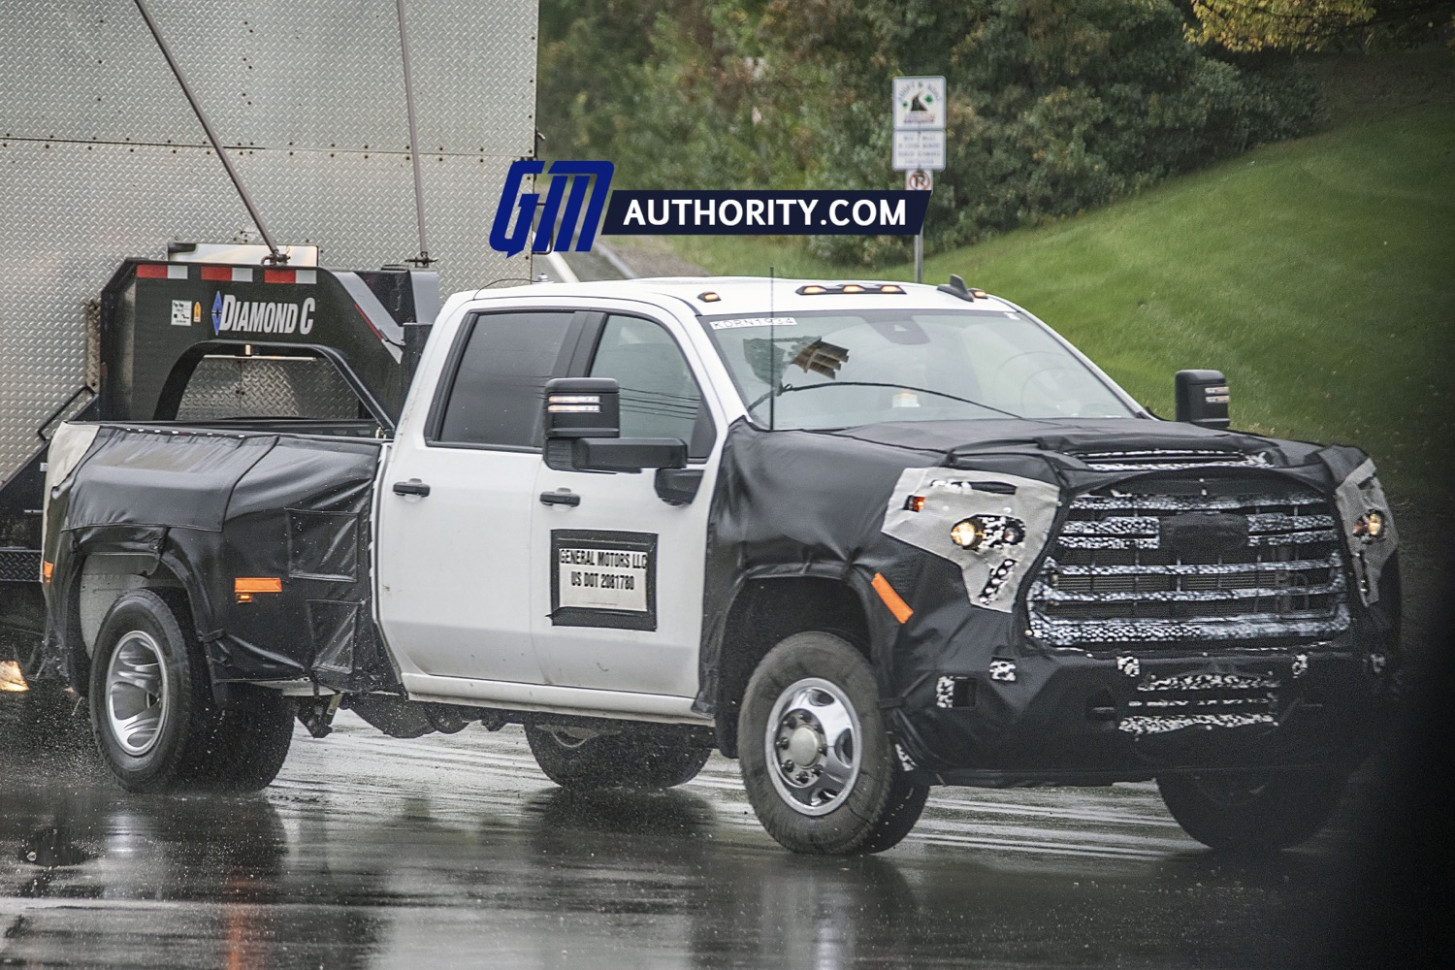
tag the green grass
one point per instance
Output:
(1316, 273)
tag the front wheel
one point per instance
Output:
(592, 762)
(1252, 811)
(817, 761)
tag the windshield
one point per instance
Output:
(834, 369)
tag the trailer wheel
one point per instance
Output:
(817, 762)
(1252, 812)
(152, 711)
(614, 760)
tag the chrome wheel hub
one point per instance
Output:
(812, 746)
(136, 693)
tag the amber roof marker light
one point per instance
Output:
(838, 289)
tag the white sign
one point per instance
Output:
(919, 149)
(919, 102)
(919, 180)
(602, 579)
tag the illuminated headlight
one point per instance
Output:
(1371, 526)
(987, 532)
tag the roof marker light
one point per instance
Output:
(819, 289)
(709, 297)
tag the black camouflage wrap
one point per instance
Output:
(975, 695)
(211, 506)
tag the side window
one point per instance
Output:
(659, 397)
(495, 396)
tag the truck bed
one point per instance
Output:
(266, 529)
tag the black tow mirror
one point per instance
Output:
(583, 407)
(1202, 398)
(583, 430)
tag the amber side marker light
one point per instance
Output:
(248, 586)
(915, 503)
(46, 568)
(901, 610)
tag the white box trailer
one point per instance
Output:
(103, 156)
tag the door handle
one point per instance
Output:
(412, 487)
(560, 498)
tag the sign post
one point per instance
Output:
(918, 105)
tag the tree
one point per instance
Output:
(1313, 25)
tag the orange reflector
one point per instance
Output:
(891, 599)
(46, 568)
(915, 503)
(257, 584)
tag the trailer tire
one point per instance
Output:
(152, 712)
(817, 762)
(1241, 812)
(614, 760)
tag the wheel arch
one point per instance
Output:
(765, 610)
(97, 577)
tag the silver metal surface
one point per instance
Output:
(136, 693)
(813, 743)
(234, 387)
(101, 158)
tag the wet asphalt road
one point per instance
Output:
(455, 851)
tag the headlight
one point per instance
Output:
(987, 532)
(1371, 526)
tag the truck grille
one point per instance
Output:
(1113, 577)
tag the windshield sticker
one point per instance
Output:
(753, 322)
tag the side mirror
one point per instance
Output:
(583, 431)
(583, 407)
(1202, 398)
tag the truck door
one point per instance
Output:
(456, 505)
(618, 589)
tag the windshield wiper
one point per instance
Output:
(785, 388)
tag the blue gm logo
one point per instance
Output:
(524, 205)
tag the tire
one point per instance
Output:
(1252, 812)
(614, 760)
(817, 761)
(152, 713)
(248, 742)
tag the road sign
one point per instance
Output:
(919, 180)
(919, 149)
(919, 102)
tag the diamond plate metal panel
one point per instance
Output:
(101, 157)
(239, 387)
(322, 74)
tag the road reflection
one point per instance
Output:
(374, 853)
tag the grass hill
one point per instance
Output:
(1318, 274)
